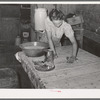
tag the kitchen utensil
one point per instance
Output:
(43, 66)
(49, 56)
(34, 49)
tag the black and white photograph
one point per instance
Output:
(50, 45)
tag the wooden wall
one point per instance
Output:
(9, 23)
(10, 14)
(91, 39)
(65, 8)
(91, 14)
(10, 19)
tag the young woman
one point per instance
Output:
(55, 28)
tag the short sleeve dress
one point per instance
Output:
(56, 32)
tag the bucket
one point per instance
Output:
(39, 17)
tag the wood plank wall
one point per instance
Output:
(65, 8)
(9, 23)
(91, 15)
(9, 15)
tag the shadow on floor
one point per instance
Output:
(8, 60)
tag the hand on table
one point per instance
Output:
(71, 59)
(55, 56)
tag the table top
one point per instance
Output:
(80, 74)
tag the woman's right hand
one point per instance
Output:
(71, 59)
(55, 56)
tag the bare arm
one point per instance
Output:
(74, 44)
(70, 34)
(74, 50)
(51, 42)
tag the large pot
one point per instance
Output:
(34, 49)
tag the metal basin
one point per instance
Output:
(34, 49)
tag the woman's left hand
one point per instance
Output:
(71, 59)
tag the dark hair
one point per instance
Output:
(56, 14)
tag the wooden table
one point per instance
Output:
(83, 73)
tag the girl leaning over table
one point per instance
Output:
(55, 28)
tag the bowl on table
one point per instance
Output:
(34, 49)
